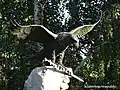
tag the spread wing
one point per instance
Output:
(83, 30)
(37, 33)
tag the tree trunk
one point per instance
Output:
(39, 11)
(36, 12)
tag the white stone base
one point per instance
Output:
(46, 78)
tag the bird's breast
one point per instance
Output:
(60, 48)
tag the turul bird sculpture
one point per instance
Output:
(55, 45)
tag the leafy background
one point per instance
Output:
(97, 60)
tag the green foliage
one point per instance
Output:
(101, 46)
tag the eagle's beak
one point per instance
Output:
(76, 43)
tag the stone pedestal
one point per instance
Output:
(46, 78)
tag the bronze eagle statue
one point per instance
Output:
(55, 45)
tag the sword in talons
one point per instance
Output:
(63, 72)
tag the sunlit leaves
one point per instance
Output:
(116, 11)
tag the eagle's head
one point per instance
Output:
(65, 39)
